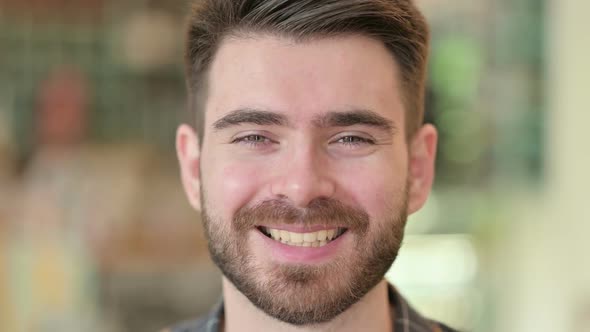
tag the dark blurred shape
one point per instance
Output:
(62, 109)
(46, 10)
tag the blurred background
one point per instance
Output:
(96, 235)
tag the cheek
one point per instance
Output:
(231, 187)
(377, 188)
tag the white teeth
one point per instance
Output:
(331, 233)
(311, 239)
(285, 236)
(296, 237)
(275, 234)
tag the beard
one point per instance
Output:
(305, 294)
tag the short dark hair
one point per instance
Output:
(397, 23)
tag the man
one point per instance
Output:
(309, 153)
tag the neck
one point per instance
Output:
(371, 313)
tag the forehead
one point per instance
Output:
(303, 78)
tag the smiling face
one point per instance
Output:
(305, 177)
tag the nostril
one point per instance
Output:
(302, 187)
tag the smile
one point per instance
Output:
(311, 239)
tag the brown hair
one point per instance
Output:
(397, 23)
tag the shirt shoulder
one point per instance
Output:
(410, 320)
(406, 318)
(209, 323)
(196, 325)
(443, 328)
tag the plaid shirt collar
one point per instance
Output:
(406, 318)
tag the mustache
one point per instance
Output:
(323, 211)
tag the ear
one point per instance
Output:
(422, 155)
(187, 150)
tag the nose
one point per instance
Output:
(304, 176)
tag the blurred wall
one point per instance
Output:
(508, 213)
(546, 283)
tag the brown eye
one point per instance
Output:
(252, 140)
(354, 140)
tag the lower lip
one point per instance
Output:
(308, 255)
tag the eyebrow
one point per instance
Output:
(330, 119)
(355, 117)
(253, 116)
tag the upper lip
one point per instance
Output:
(300, 228)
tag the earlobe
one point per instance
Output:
(422, 155)
(187, 151)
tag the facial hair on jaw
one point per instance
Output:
(304, 294)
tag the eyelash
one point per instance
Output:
(356, 141)
(257, 140)
(250, 140)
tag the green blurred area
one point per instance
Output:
(485, 82)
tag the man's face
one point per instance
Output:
(304, 171)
